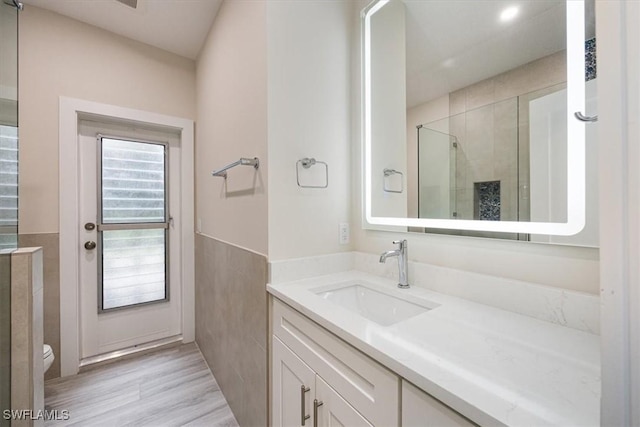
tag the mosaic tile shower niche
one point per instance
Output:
(486, 201)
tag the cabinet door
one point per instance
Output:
(421, 410)
(291, 376)
(367, 385)
(335, 411)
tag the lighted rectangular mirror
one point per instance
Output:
(469, 116)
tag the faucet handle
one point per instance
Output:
(402, 243)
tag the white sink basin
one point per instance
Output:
(379, 307)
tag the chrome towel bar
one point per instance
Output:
(255, 162)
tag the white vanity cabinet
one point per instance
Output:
(299, 395)
(421, 410)
(354, 389)
(311, 364)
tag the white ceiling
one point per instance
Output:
(178, 26)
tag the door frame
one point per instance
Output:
(70, 112)
(618, 39)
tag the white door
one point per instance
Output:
(130, 290)
(293, 388)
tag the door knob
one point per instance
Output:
(90, 245)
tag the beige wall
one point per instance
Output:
(265, 76)
(231, 214)
(309, 116)
(63, 57)
(232, 123)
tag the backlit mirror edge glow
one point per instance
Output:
(575, 145)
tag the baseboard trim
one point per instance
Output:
(136, 350)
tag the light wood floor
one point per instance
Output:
(170, 387)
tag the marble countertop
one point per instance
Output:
(493, 366)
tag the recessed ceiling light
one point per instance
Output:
(509, 13)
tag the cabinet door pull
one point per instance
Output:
(316, 404)
(303, 416)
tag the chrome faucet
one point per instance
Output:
(403, 263)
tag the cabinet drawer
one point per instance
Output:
(368, 386)
(421, 410)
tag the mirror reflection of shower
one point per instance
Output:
(505, 161)
(436, 174)
(481, 161)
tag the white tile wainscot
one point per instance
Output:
(491, 365)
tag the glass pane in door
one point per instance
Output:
(133, 232)
(133, 267)
(133, 182)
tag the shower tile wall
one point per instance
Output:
(487, 151)
(27, 368)
(484, 118)
(50, 243)
(5, 334)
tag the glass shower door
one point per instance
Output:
(436, 174)
(8, 187)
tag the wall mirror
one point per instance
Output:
(469, 122)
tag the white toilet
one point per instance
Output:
(49, 357)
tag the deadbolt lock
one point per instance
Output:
(89, 226)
